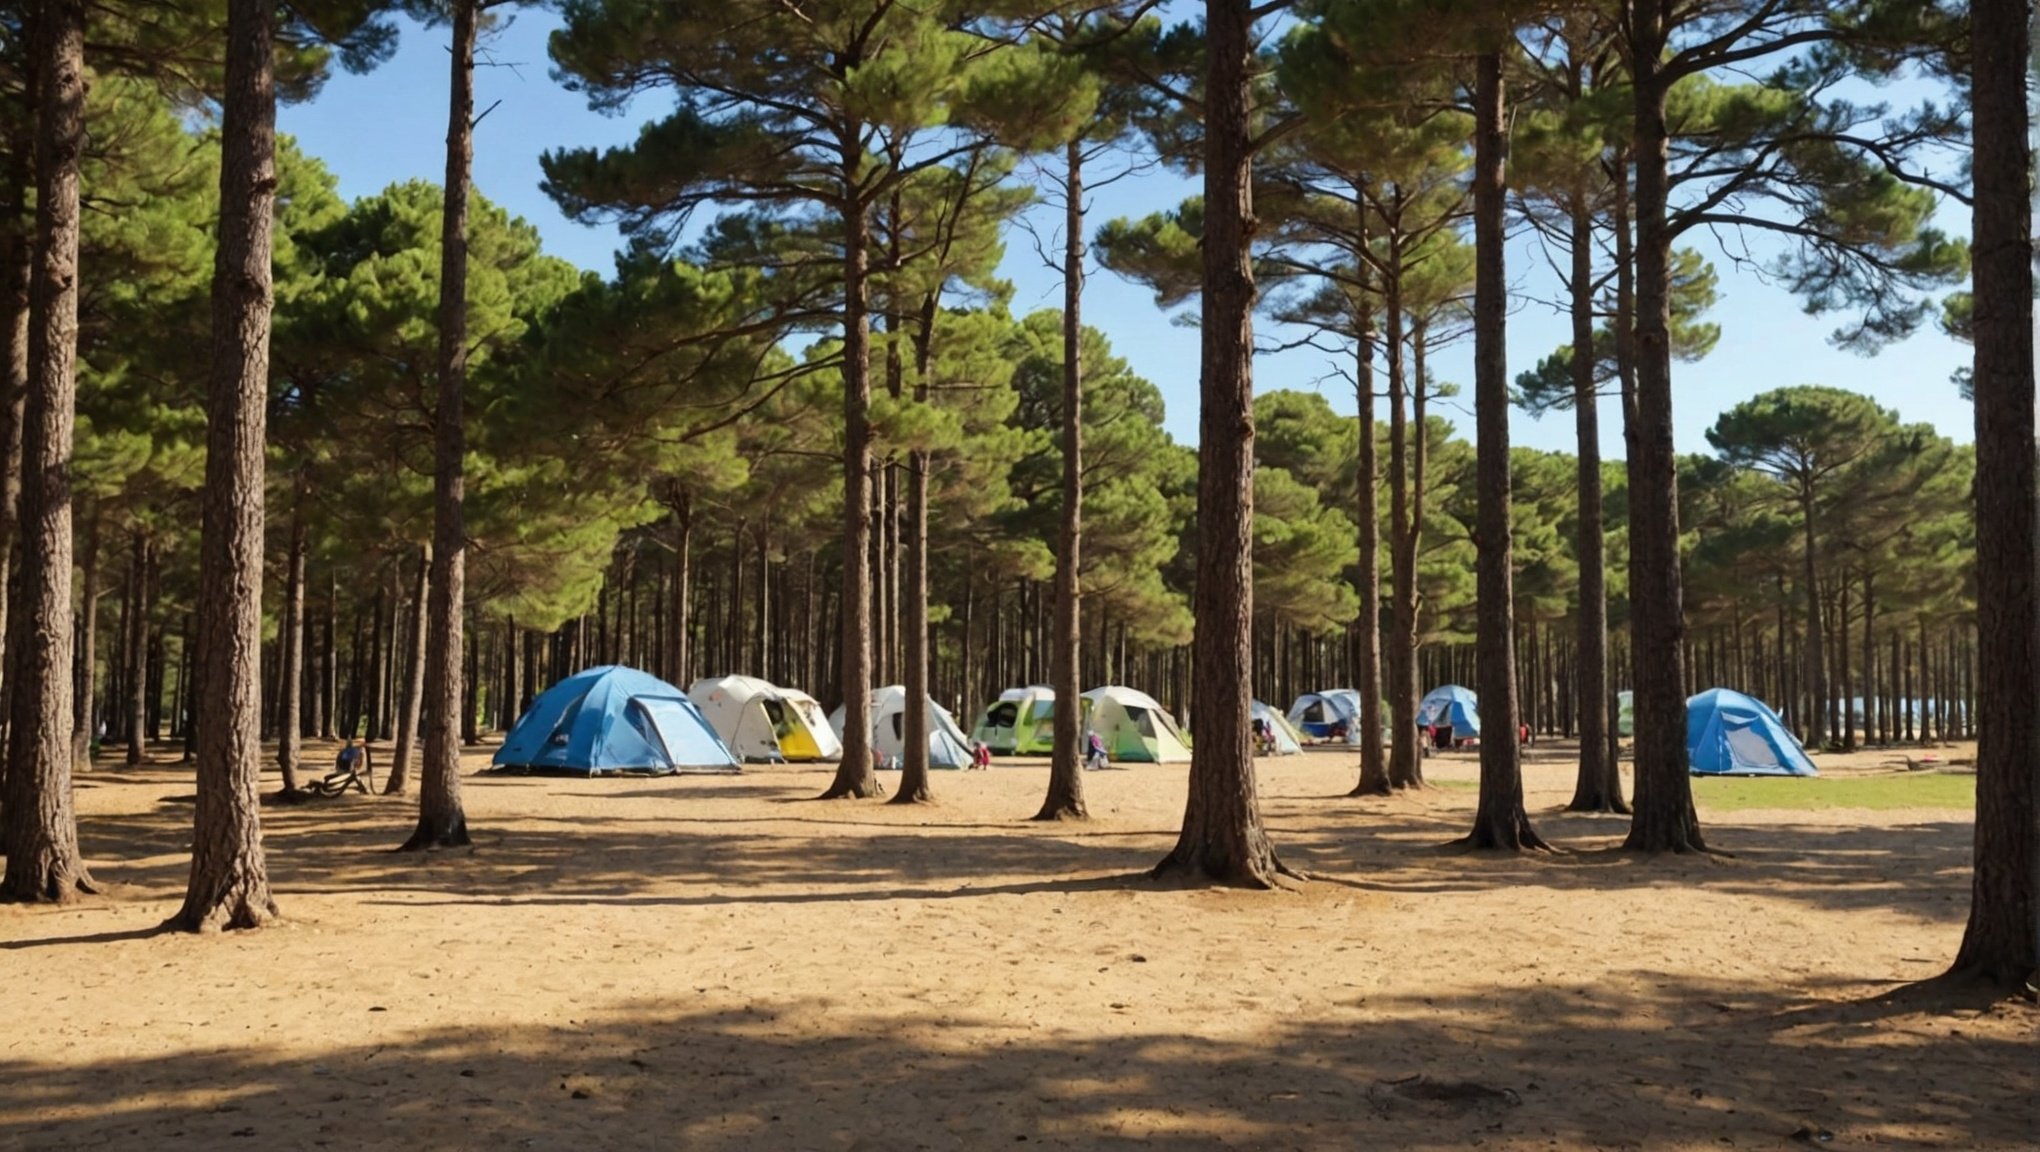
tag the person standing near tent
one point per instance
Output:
(981, 755)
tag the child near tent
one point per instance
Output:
(1094, 755)
(981, 755)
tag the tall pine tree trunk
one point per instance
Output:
(229, 878)
(410, 703)
(442, 821)
(1222, 838)
(291, 648)
(2001, 942)
(17, 251)
(1499, 821)
(1373, 759)
(1065, 799)
(1405, 763)
(914, 788)
(855, 777)
(1599, 785)
(40, 828)
(1664, 818)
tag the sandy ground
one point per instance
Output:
(723, 963)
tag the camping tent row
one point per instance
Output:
(614, 719)
(764, 723)
(948, 747)
(1132, 725)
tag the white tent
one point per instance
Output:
(1287, 742)
(948, 747)
(1134, 727)
(1020, 722)
(763, 723)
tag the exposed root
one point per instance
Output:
(1055, 811)
(1269, 876)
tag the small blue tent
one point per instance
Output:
(614, 719)
(1730, 734)
(1318, 714)
(1452, 705)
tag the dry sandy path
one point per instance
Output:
(722, 963)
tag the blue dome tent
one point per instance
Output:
(1318, 714)
(1730, 734)
(614, 719)
(1452, 705)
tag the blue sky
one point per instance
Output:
(390, 125)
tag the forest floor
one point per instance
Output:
(724, 963)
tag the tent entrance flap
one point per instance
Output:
(665, 723)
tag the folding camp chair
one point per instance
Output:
(349, 774)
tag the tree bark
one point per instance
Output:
(1065, 799)
(410, 704)
(442, 820)
(1816, 665)
(229, 885)
(84, 712)
(1599, 785)
(914, 787)
(855, 777)
(1405, 760)
(138, 649)
(291, 648)
(1664, 818)
(1222, 838)
(679, 659)
(1499, 821)
(1374, 779)
(2001, 943)
(41, 828)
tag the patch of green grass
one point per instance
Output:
(1897, 790)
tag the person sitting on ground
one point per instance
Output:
(349, 766)
(1094, 755)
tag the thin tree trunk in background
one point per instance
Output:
(442, 819)
(291, 647)
(40, 831)
(1373, 757)
(329, 656)
(1223, 839)
(679, 660)
(138, 649)
(1664, 816)
(229, 878)
(84, 711)
(2001, 943)
(411, 703)
(1599, 784)
(1065, 799)
(1816, 659)
(855, 777)
(1499, 821)
(914, 787)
